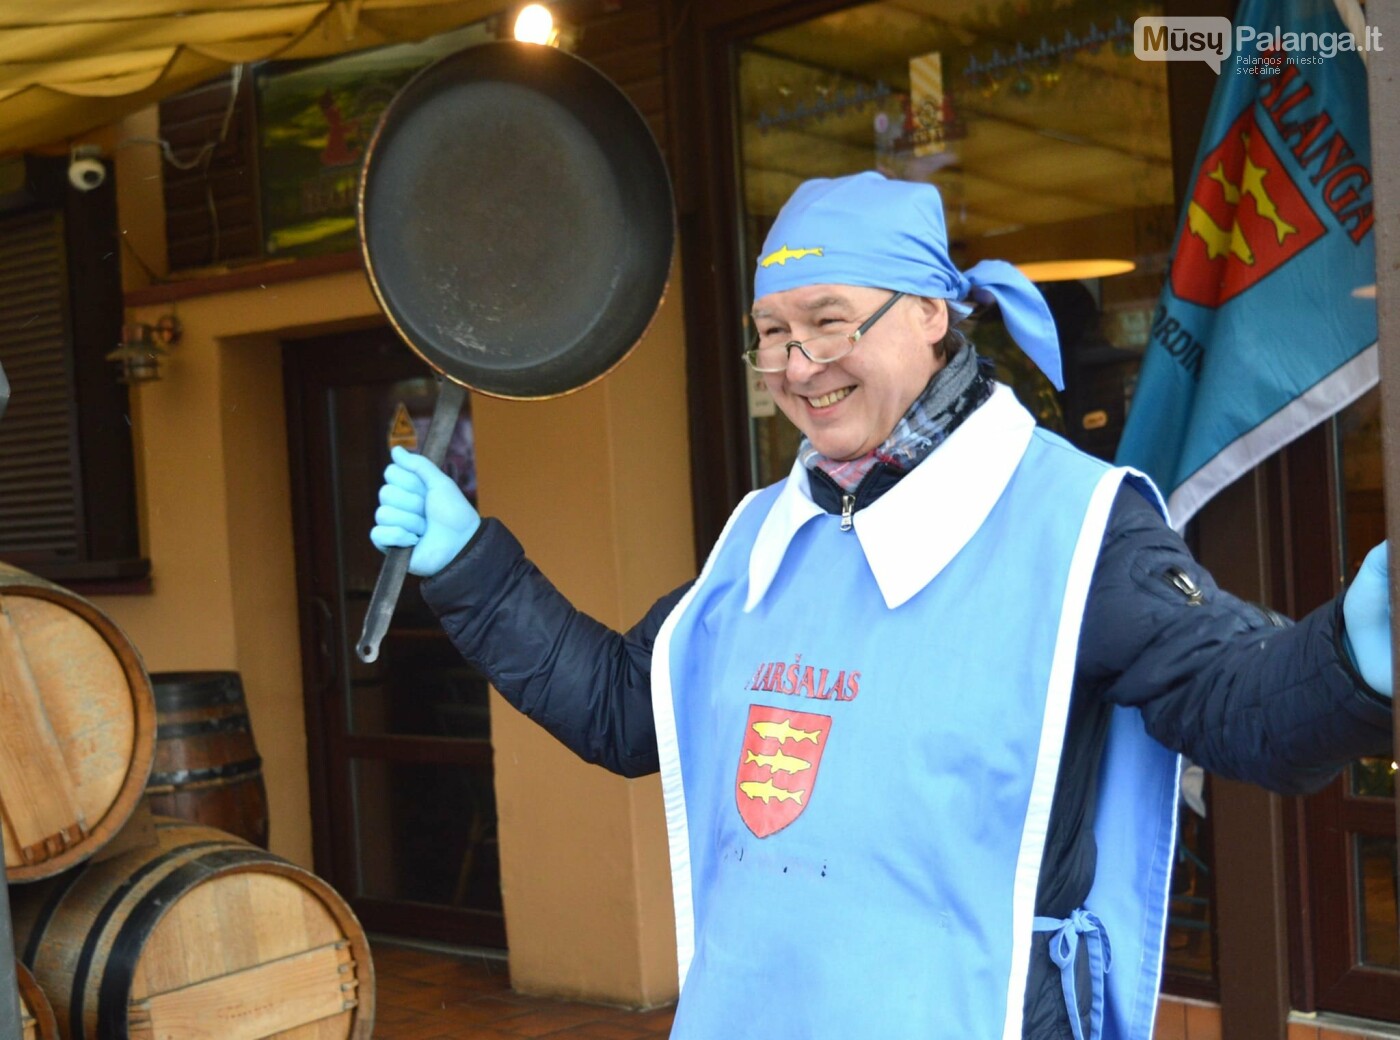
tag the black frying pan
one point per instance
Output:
(517, 227)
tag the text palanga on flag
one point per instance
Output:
(1267, 323)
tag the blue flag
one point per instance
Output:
(1267, 323)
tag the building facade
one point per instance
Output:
(435, 808)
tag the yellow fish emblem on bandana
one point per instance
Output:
(783, 255)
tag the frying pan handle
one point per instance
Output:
(395, 569)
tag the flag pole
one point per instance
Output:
(1383, 83)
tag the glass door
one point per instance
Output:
(1350, 839)
(1048, 141)
(403, 800)
(1051, 146)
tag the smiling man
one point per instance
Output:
(918, 719)
(846, 402)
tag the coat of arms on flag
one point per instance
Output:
(1264, 328)
(1246, 219)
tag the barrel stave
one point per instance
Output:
(38, 1020)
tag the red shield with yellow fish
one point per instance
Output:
(1245, 220)
(778, 766)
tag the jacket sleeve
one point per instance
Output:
(1240, 690)
(587, 684)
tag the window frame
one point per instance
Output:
(1326, 973)
(107, 557)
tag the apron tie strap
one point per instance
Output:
(1064, 947)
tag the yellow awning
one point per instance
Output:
(69, 66)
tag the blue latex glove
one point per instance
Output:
(421, 506)
(1366, 610)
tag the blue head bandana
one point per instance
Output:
(885, 234)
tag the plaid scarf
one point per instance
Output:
(955, 392)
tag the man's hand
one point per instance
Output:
(422, 507)
(1366, 610)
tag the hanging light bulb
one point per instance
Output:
(535, 24)
(1069, 270)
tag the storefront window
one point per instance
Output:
(1048, 140)
(1051, 147)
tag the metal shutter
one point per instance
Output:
(40, 506)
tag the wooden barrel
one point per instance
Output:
(201, 936)
(36, 1014)
(207, 769)
(79, 732)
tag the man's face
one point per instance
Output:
(847, 408)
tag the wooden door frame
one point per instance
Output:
(707, 206)
(1253, 941)
(329, 740)
(1383, 83)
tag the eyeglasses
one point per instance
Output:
(820, 350)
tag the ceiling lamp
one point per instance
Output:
(1074, 270)
(535, 24)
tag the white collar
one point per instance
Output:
(910, 533)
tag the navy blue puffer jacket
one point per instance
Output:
(1244, 693)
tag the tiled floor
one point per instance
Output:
(1192, 1020)
(422, 995)
(427, 995)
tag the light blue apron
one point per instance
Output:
(860, 733)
